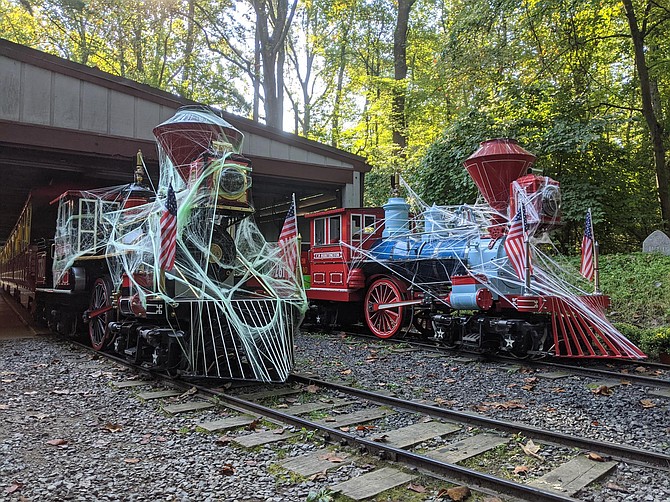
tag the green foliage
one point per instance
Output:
(656, 341)
(323, 495)
(639, 285)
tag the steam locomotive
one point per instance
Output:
(175, 277)
(457, 274)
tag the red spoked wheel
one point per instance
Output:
(100, 312)
(384, 323)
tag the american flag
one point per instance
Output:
(587, 248)
(514, 243)
(169, 232)
(288, 247)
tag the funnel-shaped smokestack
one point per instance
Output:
(494, 166)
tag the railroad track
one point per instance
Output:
(357, 418)
(638, 372)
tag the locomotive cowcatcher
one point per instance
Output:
(449, 272)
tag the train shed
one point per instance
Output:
(61, 122)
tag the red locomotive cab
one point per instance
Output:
(339, 239)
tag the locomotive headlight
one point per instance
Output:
(551, 202)
(233, 183)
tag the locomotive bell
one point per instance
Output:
(493, 167)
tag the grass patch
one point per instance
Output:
(639, 285)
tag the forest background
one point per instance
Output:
(413, 85)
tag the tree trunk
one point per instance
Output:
(650, 113)
(188, 50)
(272, 54)
(398, 119)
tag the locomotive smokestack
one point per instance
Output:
(493, 167)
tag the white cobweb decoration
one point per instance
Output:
(226, 305)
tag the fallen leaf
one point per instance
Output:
(602, 390)
(458, 493)
(365, 427)
(416, 488)
(641, 369)
(223, 440)
(253, 425)
(281, 406)
(450, 380)
(279, 431)
(332, 457)
(531, 449)
(131, 460)
(370, 359)
(595, 457)
(625, 382)
(110, 427)
(319, 476)
(227, 470)
(345, 429)
(381, 439)
(647, 403)
(521, 469)
(312, 389)
(558, 390)
(14, 487)
(528, 387)
(188, 393)
(595, 423)
(345, 372)
(481, 408)
(531, 380)
(57, 442)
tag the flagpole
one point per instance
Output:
(526, 244)
(596, 250)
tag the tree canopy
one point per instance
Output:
(413, 85)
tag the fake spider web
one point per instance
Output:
(462, 233)
(234, 294)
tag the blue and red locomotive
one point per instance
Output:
(458, 274)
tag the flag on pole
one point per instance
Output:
(288, 246)
(514, 243)
(587, 248)
(169, 232)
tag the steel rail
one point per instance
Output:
(619, 452)
(578, 370)
(452, 472)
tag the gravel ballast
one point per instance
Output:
(571, 405)
(115, 446)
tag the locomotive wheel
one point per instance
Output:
(388, 322)
(101, 297)
(423, 323)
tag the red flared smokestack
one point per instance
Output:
(494, 166)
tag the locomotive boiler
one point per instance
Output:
(471, 277)
(174, 277)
